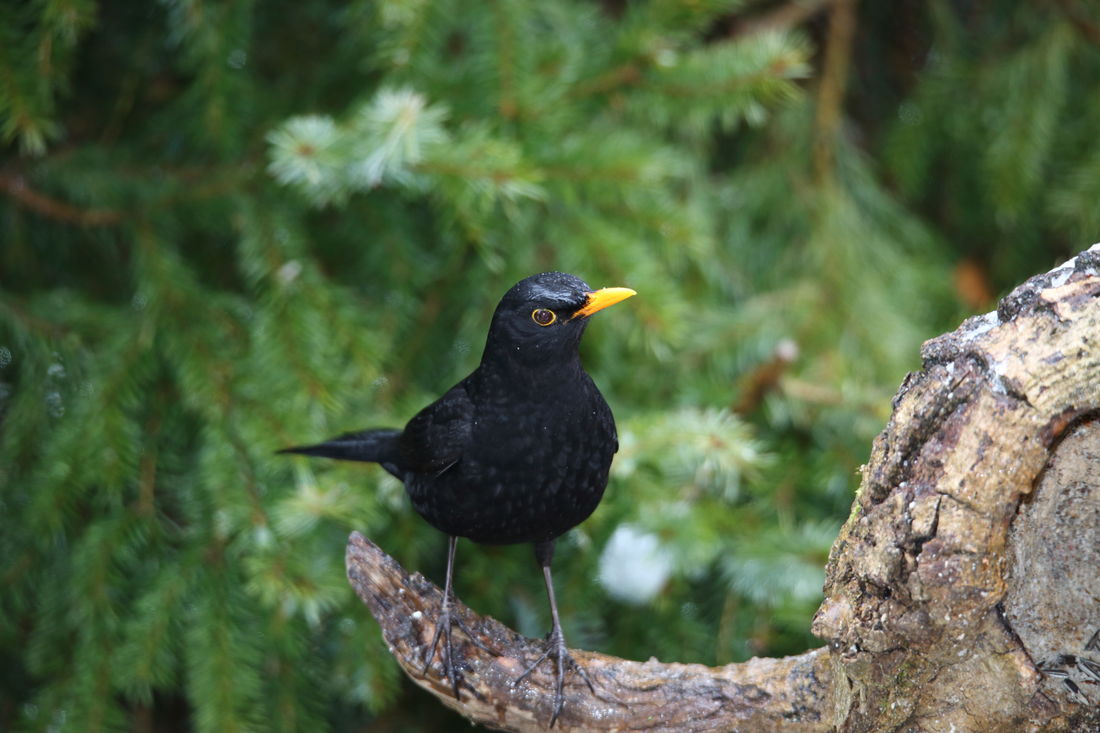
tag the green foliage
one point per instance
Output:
(1024, 195)
(227, 228)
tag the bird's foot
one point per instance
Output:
(555, 648)
(443, 629)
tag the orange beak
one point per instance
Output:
(602, 298)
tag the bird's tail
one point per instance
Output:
(378, 445)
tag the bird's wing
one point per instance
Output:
(437, 436)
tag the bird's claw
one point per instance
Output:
(555, 647)
(443, 628)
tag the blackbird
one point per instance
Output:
(518, 451)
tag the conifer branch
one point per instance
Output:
(1081, 20)
(193, 184)
(721, 89)
(780, 18)
(834, 81)
(16, 186)
(625, 74)
(17, 311)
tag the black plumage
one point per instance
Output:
(518, 451)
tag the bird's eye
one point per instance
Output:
(543, 316)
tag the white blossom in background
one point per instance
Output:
(634, 566)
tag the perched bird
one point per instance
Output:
(518, 451)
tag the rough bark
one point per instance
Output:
(963, 592)
(931, 585)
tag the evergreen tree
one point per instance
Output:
(228, 227)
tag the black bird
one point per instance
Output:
(518, 451)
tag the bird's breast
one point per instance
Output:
(535, 467)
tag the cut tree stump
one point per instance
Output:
(962, 594)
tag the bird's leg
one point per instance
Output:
(443, 624)
(555, 642)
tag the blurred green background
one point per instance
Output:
(227, 227)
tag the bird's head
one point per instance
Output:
(543, 316)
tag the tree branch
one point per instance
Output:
(834, 82)
(758, 695)
(780, 18)
(16, 186)
(1082, 20)
(934, 574)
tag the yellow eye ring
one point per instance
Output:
(543, 316)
